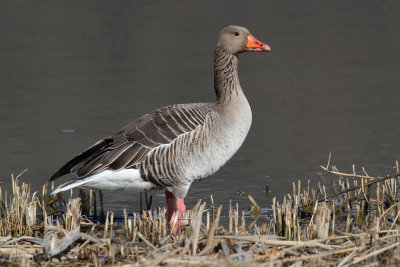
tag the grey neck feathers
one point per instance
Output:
(226, 80)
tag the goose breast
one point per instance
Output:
(199, 153)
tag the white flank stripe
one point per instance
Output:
(126, 180)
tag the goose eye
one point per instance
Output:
(237, 34)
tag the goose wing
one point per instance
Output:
(132, 143)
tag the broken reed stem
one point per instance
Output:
(212, 208)
(111, 225)
(196, 224)
(211, 232)
(19, 215)
(230, 217)
(126, 224)
(236, 212)
(361, 186)
(91, 202)
(346, 174)
(106, 226)
(320, 237)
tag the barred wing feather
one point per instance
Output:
(131, 144)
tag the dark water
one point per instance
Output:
(72, 72)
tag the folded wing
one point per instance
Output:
(131, 144)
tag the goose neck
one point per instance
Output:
(226, 80)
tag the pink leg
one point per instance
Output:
(181, 208)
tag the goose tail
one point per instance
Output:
(124, 179)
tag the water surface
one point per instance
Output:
(73, 72)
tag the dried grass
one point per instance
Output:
(357, 225)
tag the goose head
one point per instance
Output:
(237, 39)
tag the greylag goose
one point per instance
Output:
(174, 146)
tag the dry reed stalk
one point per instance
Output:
(374, 253)
(196, 224)
(230, 217)
(236, 218)
(72, 217)
(322, 223)
(280, 219)
(134, 234)
(91, 202)
(243, 223)
(144, 239)
(333, 218)
(271, 240)
(254, 209)
(111, 224)
(211, 232)
(106, 225)
(300, 217)
(361, 186)
(346, 174)
(19, 215)
(126, 228)
(207, 220)
(212, 208)
(274, 213)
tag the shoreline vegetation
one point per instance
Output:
(357, 225)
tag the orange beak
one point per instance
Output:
(253, 45)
